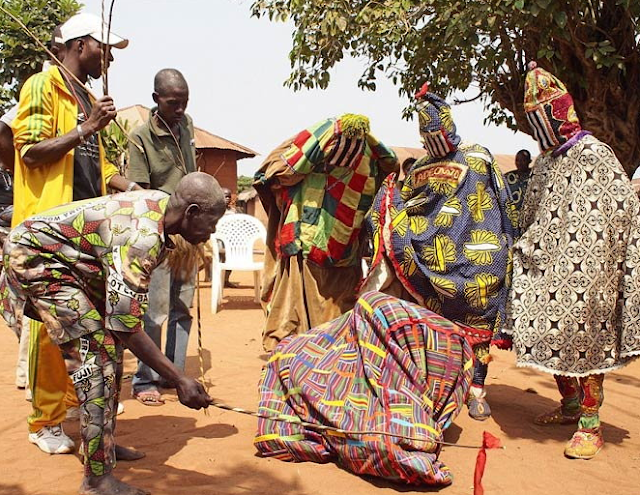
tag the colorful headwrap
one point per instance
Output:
(549, 108)
(436, 124)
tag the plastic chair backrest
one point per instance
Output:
(239, 232)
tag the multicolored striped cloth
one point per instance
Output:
(388, 365)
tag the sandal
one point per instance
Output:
(479, 408)
(584, 444)
(557, 417)
(149, 398)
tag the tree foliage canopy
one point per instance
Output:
(244, 183)
(21, 56)
(481, 44)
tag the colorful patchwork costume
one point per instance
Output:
(386, 366)
(83, 269)
(574, 309)
(444, 240)
(316, 189)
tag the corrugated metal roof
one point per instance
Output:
(137, 114)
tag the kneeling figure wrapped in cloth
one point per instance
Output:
(386, 366)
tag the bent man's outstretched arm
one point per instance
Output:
(190, 392)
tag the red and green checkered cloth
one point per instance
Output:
(338, 176)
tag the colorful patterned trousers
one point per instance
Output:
(94, 362)
(584, 394)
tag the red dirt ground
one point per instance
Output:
(190, 453)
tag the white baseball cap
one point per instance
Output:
(90, 25)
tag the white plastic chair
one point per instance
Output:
(238, 233)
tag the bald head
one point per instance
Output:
(195, 208)
(169, 79)
(200, 189)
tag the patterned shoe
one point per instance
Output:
(479, 408)
(584, 444)
(557, 417)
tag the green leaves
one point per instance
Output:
(560, 18)
(592, 46)
(116, 143)
(21, 56)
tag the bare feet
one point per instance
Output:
(125, 454)
(108, 485)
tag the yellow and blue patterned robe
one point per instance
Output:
(448, 235)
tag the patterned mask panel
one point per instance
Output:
(346, 152)
(436, 124)
(549, 109)
(437, 143)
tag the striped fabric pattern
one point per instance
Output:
(542, 129)
(387, 365)
(436, 143)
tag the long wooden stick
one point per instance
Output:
(103, 53)
(338, 431)
(106, 74)
(199, 324)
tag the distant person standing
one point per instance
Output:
(163, 153)
(229, 211)
(7, 152)
(228, 196)
(517, 179)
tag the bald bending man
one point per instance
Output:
(161, 152)
(91, 261)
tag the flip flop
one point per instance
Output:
(149, 398)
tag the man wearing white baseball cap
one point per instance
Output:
(85, 24)
(59, 158)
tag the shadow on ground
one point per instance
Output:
(173, 433)
(154, 474)
(514, 410)
(452, 434)
(239, 302)
(12, 490)
(381, 483)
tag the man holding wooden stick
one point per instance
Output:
(84, 269)
(59, 158)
